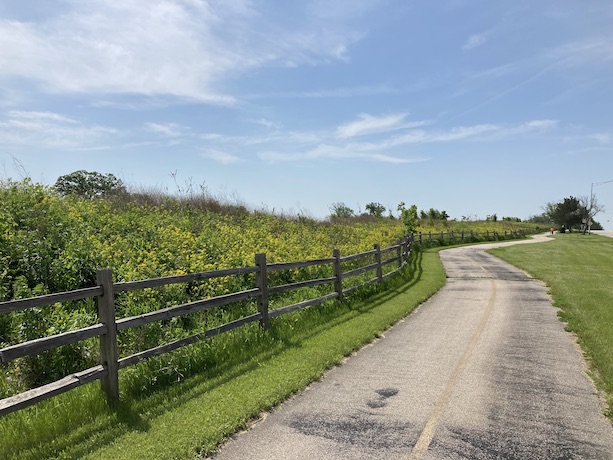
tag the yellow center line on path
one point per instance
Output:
(424, 440)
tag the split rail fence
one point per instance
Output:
(436, 238)
(109, 326)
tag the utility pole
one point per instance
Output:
(589, 217)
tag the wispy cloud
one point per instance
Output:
(594, 51)
(354, 91)
(392, 149)
(476, 40)
(333, 152)
(220, 156)
(368, 124)
(50, 130)
(180, 48)
(541, 124)
(166, 129)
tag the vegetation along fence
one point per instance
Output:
(108, 326)
(444, 238)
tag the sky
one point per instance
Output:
(475, 107)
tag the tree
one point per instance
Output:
(408, 217)
(591, 207)
(567, 214)
(341, 211)
(542, 218)
(375, 209)
(89, 184)
(434, 214)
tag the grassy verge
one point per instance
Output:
(255, 373)
(579, 272)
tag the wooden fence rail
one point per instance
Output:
(450, 237)
(108, 326)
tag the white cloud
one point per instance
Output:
(333, 152)
(544, 124)
(391, 149)
(268, 124)
(165, 129)
(220, 157)
(595, 51)
(354, 91)
(476, 40)
(180, 48)
(368, 124)
(602, 138)
(50, 130)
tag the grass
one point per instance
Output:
(244, 374)
(578, 270)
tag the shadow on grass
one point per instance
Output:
(214, 368)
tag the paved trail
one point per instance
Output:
(482, 370)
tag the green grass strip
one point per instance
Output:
(578, 269)
(191, 418)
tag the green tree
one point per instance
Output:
(568, 213)
(409, 217)
(434, 214)
(375, 209)
(89, 184)
(341, 211)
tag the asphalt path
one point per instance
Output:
(482, 370)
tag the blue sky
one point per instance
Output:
(473, 107)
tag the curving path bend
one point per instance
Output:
(482, 370)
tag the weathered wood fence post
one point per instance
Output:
(261, 281)
(399, 252)
(378, 262)
(338, 273)
(108, 341)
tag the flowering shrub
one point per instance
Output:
(50, 243)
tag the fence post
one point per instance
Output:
(261, 280)
(338, 273)
(108, 341)
(410, 241)
(399, 253)
(420, 241)
(378, 262)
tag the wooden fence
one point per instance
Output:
(108, 325)
(437, 238)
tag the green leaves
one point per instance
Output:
(409, 218)
(89, 184)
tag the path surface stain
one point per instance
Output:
(384, 394)
(387, 392)
(357, 430)
(489, 444)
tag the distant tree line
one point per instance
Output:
(572, 213)
(376, 210)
